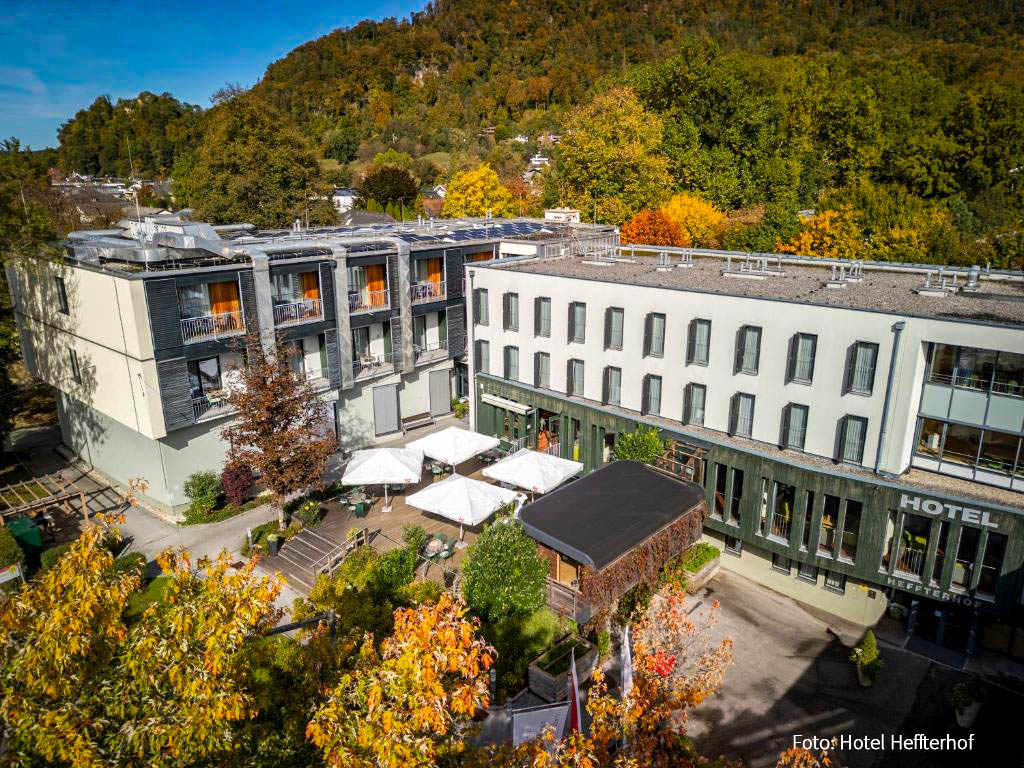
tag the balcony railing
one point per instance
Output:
(316, 376)
(424, 292)
(368, 301)
(910, 561)
(210, 406)
(435, 350)
(305, 311)
(368, 366)
(210, 327)
(780, 526)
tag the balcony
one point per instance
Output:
(910, 561)
(211, 327)
(368, 301)
(317, 378)
(210, 406)
(780, 527)
(306, 311)
(435, 350)
(426, 292)
(369, 366)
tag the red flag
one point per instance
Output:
(574, 695)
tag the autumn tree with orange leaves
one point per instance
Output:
(409, 704)
(653, 228)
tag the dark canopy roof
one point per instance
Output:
(597, 519)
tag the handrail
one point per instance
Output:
(429, 291)
(369, 301)
(303, 311)
(208, 327)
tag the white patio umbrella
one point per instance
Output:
(466, 501)
(383, 466)
(532, 470)
(453, 445)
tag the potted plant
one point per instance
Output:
(966, 698)
(865, 655)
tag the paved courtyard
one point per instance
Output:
(791, 674)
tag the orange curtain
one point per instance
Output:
(224, 297)
(310, 286)
(376, 284)
(433, 270)
(482, 256)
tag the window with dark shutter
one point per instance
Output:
(698, 339)
(572, 322)
(611, 386)
(542, 316)
(652, 395)
(542, 370)
(480, 306)
(794, 426)
(693, 404)
(482, 354)
(733, 406)
(800, 363)
(647, 334)
(853, 436)
(577, 322)
(644, 395)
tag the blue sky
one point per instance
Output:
(57, 57)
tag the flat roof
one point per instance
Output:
(884, 288)
(600, 517)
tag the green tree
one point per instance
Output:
(387, 185)
(642, 444)
(503, 575)
(252, 166)
(609, 154)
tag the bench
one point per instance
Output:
(419, 420)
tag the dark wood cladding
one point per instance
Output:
(175, 393)
(456, 314)
(164, 315)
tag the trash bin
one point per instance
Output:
(272, 544)
(29, 538)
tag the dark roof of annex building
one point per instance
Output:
(884, 287)
(598, 518)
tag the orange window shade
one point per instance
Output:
(482, 256)
(377, 285)
(310, 286)
(433, 270)
(224, 297)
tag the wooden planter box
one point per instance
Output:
(694, 581)
(553, 687)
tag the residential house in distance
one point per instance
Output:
(343, 199)
(140, 327)
(536, 167)
(858, 429)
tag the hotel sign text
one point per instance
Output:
(937, 508)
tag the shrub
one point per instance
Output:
(415, 537)
(309, 512)
(421, 593)
(260, 534)
(395, 569)
(604, 643)
(203, 492)
(50, 556)
(643, 445)
(133, 561)
(967, 692)
(699, 555)
(635, 600)
(459, 407)
(236, 480)
(503, 575)
(10, 550)
(866, 655)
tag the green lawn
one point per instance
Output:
(520, 641)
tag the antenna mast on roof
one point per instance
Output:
(131, 168)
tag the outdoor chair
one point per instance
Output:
(358, 509)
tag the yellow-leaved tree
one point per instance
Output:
(701, 222)
(80, 686)
(832, 234)
(476, 192)
(410, 703)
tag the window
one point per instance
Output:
(204, 376)
(762, 527)
(998, 452)
(808, 521)
(721, 479)
(733, 545)
(1009, 374)
(698, 342)
(966, 552)
(285, 288)
(940, 551)
(853, 432)
(794, 426)
(574, 378)
(929, 443)
(542, 316)
(851, 530)
(542, 370)
(614, 318)
(76, 370)
(419, 331)
(736, 498)
(512, 363)
(781, 563)
(860, 368)
(835, 582)
(783, 510)
(693, 403)
(961, 445)
(577, 322)
(748, 349)
(62, 295)
(808, 572)
(481, 315)
(890, 539)
(510, 311)
(611, 390)
(741, 414)
(654, 335)
(829, 520)
(482, 356)
(800, 365)
(991, 564)
(913, 545)
(651, 396)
